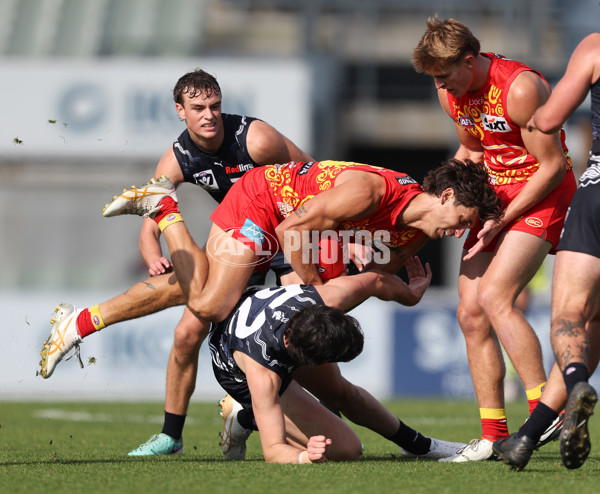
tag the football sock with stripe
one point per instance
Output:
(89, 321)
(168, 214)
(534, 395)
(493, 423)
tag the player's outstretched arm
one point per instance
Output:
(582, 71)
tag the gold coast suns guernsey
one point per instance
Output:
(483, 114)
(293, 184)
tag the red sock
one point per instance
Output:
(89, 321)
(84, 323)
(168, 206)
(532, 404)
(493, 423)
(534, 395)
(494, 429)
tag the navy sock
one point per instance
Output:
(574, 373)
(411, 440)
(173, 425)
(539, 420)
(246, 419)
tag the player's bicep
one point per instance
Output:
(569, 93)
(329, 208)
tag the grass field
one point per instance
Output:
(82, 447)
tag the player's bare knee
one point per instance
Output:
(350, 450)
(210, 308)
(469, 318)
(189, 334)
(495, 301)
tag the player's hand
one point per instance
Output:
(490, 229)
(360, 255)
(419, 278)
(317, 447)
(160, 266)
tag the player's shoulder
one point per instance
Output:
(588, 50)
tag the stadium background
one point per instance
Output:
(87, 109)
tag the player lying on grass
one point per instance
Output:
(452, 199)
(257, 348)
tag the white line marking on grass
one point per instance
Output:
(56, 414)
(440, 420)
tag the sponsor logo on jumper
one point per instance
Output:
(284, 208)
(476, 101)
(252, 231)
(305, 167)
(406, 180)
(241, 168)
(206, 179)
(466, 122)
(493, 123)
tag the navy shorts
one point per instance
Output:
(581, 232)
(278, 265)
(239, 392)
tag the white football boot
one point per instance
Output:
(438, 449)
(476, 450)
(234, 436)
(142, 201)
(62, 339)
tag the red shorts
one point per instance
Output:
(544, 220)
(249, 211)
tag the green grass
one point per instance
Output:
(44, 449)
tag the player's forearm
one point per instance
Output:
(391, 287)
(307, 271)
(296, 250)
(149, 243)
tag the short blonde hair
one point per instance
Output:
(444, 43)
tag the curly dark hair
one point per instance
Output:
(319, 334)
(470, 182)
(194, 83)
